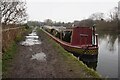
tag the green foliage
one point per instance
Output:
(18, 38)
(8, 56)
(26, 26)
(0, 69)
(26, 31)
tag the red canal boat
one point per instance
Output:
(78, 40)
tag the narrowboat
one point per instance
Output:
(81, 41)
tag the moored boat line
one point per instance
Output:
(78, 40)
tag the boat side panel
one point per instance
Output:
(82, 36)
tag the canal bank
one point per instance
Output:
(9, 54)
(46, 60)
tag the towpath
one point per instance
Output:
(37, 58)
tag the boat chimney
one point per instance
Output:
(93, 34)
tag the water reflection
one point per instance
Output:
(107, 64)
(90, 62)
(108, 56)
(92, 65)
(110, 40)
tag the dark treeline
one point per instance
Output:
(102, 23)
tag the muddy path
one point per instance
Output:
(42, 61)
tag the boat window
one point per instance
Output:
(66, 36)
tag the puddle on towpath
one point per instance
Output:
(39, 56)
(30, 49)
(33, 34)
(31, 39)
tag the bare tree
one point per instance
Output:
(48, 22)
(119, 10)
(114, 14)
(97, 16)
(84, 23)
(0, 16)
(13, 12)
(119, 16)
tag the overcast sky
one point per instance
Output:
(67, 10)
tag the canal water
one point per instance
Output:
(107, 64)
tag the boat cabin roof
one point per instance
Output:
(61, 28)
(58, 28)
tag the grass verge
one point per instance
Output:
(8, 56)
(69, 58)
